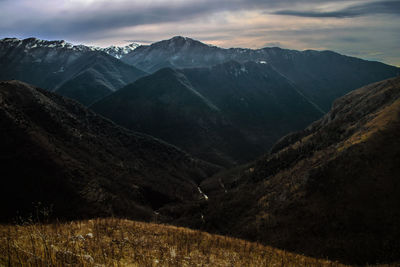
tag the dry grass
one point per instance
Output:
(382, 119)
(117, 242)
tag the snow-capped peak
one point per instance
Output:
(120, 51)
(32, 43)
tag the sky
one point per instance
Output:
(368, 29)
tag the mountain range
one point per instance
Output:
(250, 97)
(80, 72)
(245, 99)
(322, 76)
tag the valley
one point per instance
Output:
(181, 153)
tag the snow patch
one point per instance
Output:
(118, 51)
(10, 40)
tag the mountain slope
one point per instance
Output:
(88, 86)
(226, 114)
(165, 105)
(331, 190)
(135, 244)
(54, 150)
(255, 96)
(56, 65)
(322, 76)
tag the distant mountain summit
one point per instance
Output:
(177, 52)
(119, 51)
(178, 43)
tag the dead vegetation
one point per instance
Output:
(119, 242)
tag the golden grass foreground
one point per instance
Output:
(119, 242)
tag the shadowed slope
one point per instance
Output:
(56, 152)
(166, 105)
(226, 114)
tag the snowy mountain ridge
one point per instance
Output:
(31, 43)
(119, 51)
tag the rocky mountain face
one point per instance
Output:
(331, 190)
(76, 71)
(321, 76)
(225, 114)
(58, 155)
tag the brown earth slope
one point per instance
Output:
(331, 190)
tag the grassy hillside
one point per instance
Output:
(331, 190)
(118, 242)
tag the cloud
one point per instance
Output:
(382, 7)
(314, 14)
(80, 17)
(72, 19)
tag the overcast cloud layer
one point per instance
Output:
(368, 29)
